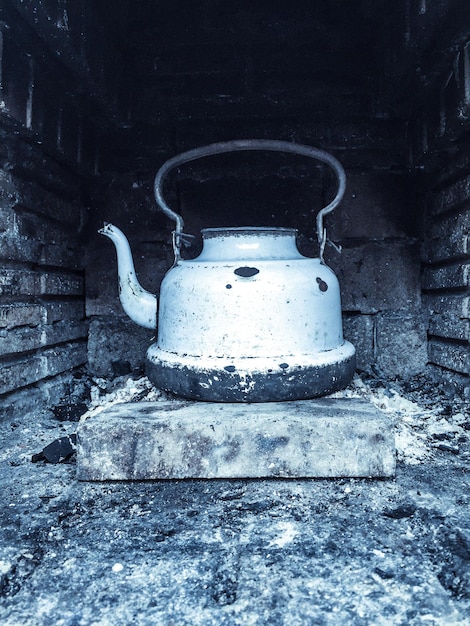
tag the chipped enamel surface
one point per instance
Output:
(279, 307)
(250, 319)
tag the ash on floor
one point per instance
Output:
(353, 552)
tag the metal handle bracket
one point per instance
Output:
(245, 145)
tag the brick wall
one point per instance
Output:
(49, 152)
(440, 147)
(446, 278)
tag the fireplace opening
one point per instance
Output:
(123, 504)
(93, 102)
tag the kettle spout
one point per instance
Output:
(139, 304)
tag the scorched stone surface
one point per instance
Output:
(330, 437)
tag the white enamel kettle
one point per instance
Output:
(250, 319)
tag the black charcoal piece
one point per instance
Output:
(58, 451)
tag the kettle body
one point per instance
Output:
(249, 320)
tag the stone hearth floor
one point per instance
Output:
(216, 552)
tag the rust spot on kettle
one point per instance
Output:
(322, 285)
(246, 272)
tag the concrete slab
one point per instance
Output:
(321, 438)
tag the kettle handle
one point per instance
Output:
(241, 145)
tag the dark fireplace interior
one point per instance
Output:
(95, 96)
